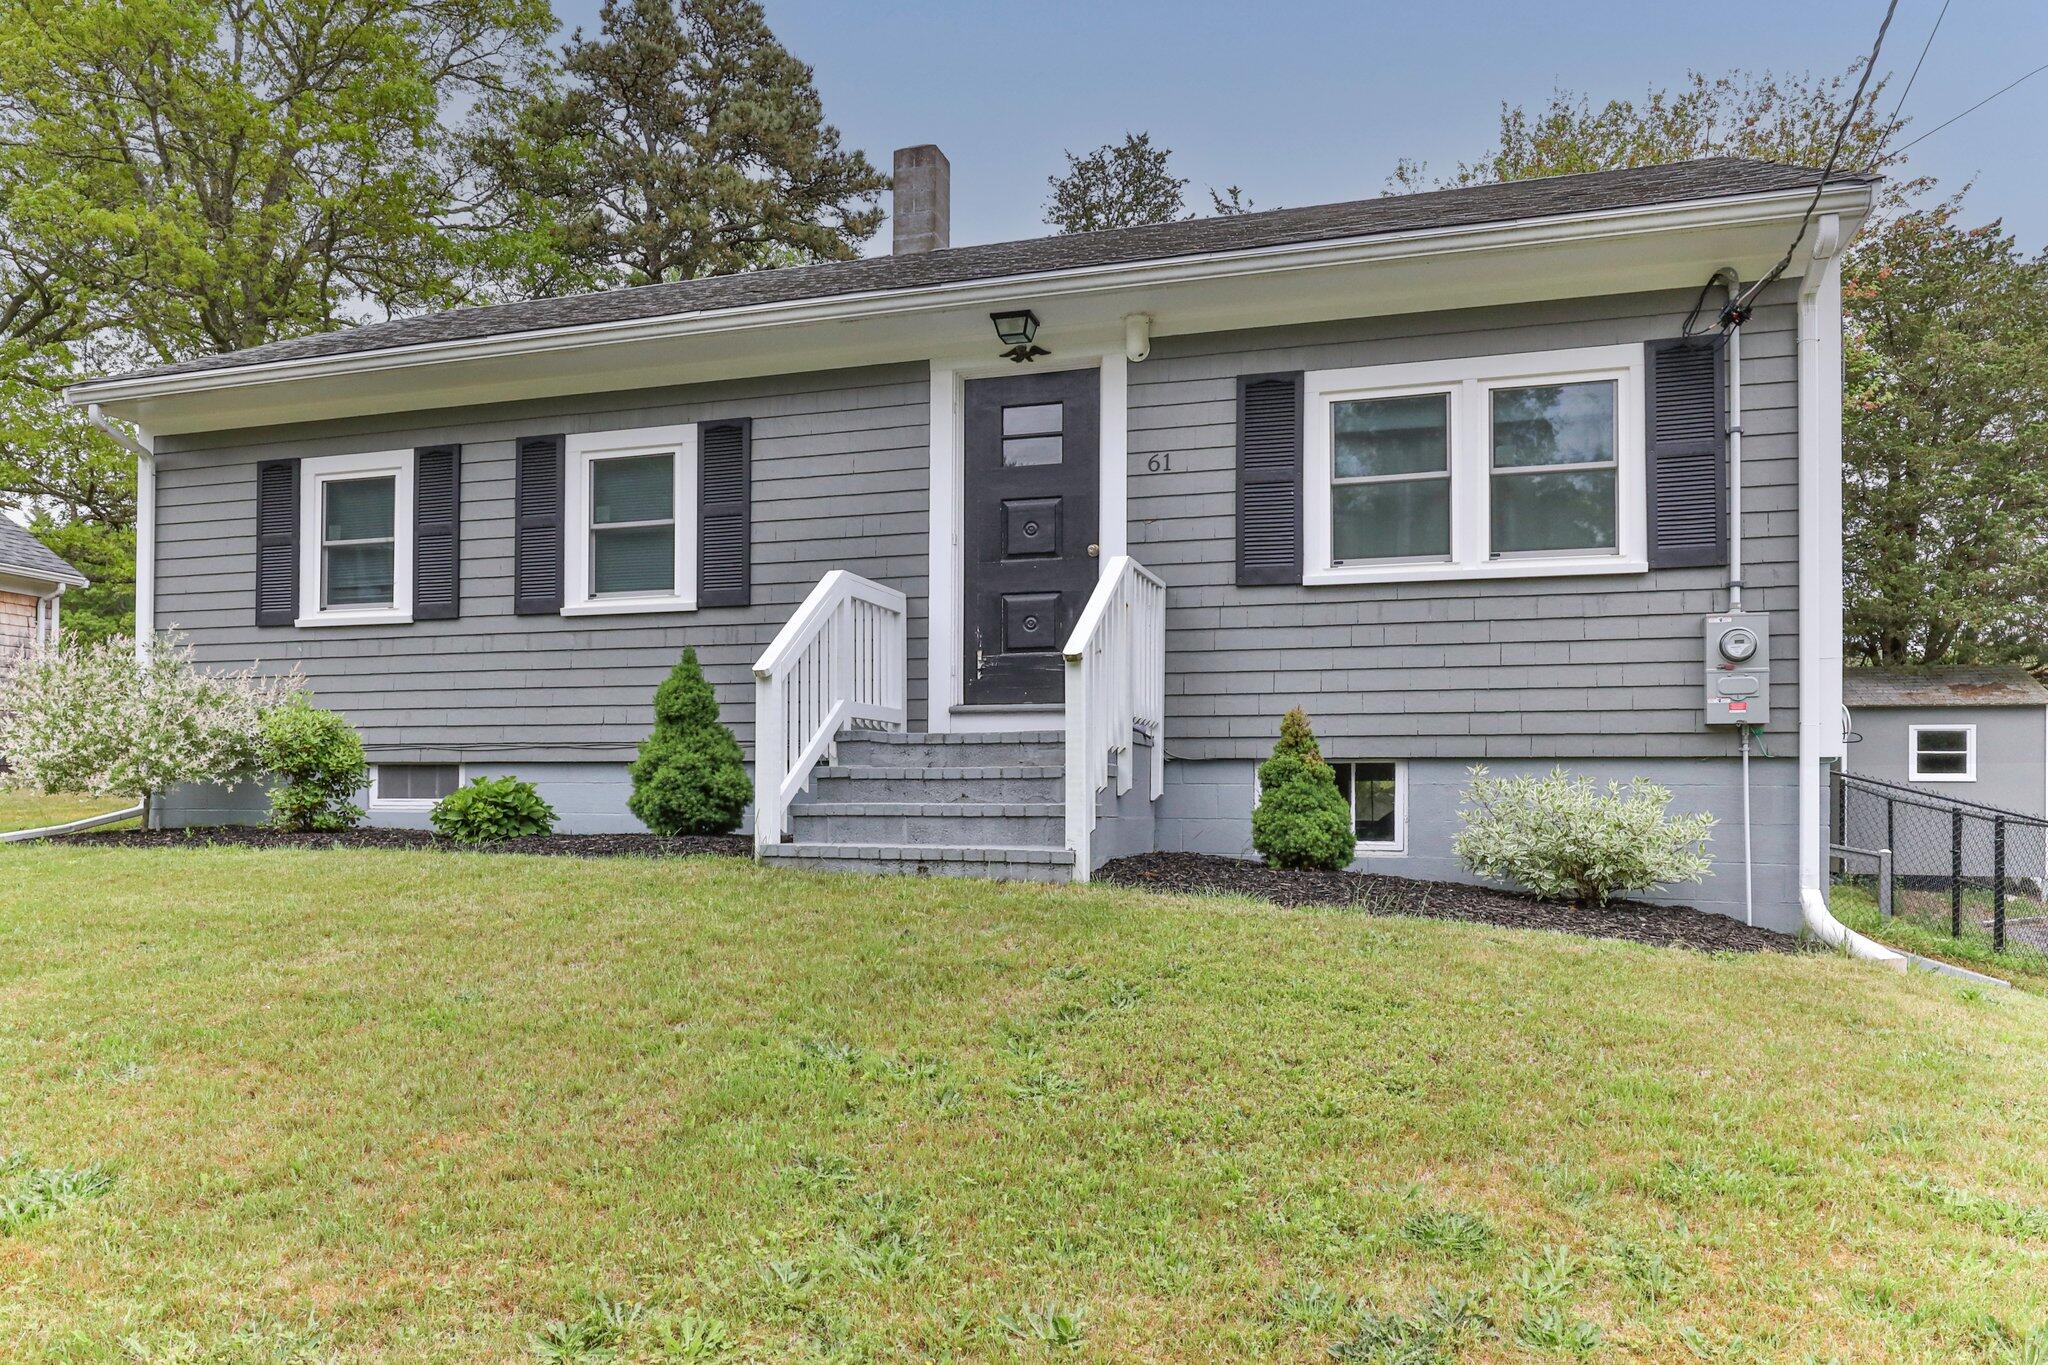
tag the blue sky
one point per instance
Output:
(1304, 103)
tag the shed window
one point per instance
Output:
(1944, 753)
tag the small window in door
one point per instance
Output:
(1032, 434)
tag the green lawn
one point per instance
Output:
(33, 810)
(401, 1106)
(1922, 926)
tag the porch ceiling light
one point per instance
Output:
(1017, 330)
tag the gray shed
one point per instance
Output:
(1972, 734)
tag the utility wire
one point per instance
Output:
(1892, 124)
(1738, 309)
(1972, 109)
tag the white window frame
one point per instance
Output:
(1365, 848)
(315, 473)
(378, 801)
(583, 451)
(1969, 772)
(1470, 384)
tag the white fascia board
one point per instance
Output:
(1849, 201)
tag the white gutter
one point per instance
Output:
(145, 526)
(1689, 215)
(1820, 582)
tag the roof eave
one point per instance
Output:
(1850, 200)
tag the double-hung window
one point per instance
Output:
(1501, 466)
(632, 521)
(1943, 753)
(355, 539)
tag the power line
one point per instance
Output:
(1738, 309)
(1972, 109)
(1892, 124)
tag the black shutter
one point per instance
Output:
(537, 499)
(1687, 442)
(1269, 427)
(437, 534)
(277, 542)
(725, 513)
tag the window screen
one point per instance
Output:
(416, 781)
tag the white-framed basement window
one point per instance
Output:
(1942, 753)
(1377, 790)
(412, 786)
(1511, 466)
(632, 522)
(355, 539)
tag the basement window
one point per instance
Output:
(412, 786)
(1377, 792)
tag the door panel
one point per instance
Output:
(1031, 493)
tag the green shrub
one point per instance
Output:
(493, 808)
(1302, 820)
(318, 760)
(690, 777)
(1564, 839)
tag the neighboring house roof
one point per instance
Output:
(21, 553)
(1554, 196)
(1882, 687)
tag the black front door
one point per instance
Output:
(1031, 511)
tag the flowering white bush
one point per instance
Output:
(1564, 839)
(100, 721)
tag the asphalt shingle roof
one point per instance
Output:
(1554, 196)
(1942, 687)
(23, 553)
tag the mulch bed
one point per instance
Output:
(1667, 926)
(551, 845)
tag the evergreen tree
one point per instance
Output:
(682, 140)
(690, 777)
(1302, 819)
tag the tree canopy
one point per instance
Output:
(679, 141)
(1127, 184)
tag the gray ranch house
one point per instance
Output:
(1006, 559)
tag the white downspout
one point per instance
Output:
(145, 525)
(1820, 580)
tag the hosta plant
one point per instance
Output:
(493, 808)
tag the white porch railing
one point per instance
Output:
(1116, 683)
(837, 664)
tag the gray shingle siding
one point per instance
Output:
(1565, 668)
(1561, 667)
(841, 480)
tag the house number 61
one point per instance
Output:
(1160, 464)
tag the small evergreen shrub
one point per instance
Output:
(318, 761)
(690, 777)
(493, 808)
(1565, 839)
(1302, 819)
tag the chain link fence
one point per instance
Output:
(1970, 870)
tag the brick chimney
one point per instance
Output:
(923, 218)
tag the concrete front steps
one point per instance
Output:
(953, 805)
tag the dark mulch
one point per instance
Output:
(552, 845)
(1663, 925)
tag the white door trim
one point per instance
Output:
(943, 683)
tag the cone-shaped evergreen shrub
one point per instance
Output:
(1302, 820)
(690, 777)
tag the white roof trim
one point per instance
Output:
(1674, 217)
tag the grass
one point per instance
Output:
(1926, 932)
(33, 810)
(300, 1106)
